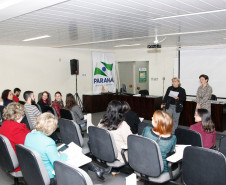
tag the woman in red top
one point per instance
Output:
(11, 127)
(58, 103)
(205, 127)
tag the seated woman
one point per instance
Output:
(113, 121)
(72, 105)
(11, 127)
(7, 97)
(205, 127)
(39, 141)
(162, 134)
(58, 103)
(44, 101)
(131, 117)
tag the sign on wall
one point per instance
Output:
(142, 74)
(103, 72)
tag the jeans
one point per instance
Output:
(175, 115)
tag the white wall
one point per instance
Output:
(161, 63)
(42, 68)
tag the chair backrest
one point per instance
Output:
(8, 158)
(144, 156)
(144, 92)
(102, 144)
(1, 112)
(213, 97)
(22, 102)
(222, 146)
(38, 107)
(203, 166)
(66, 114)
(29, 121)
(69, 175)
(123, 89)
(32, 166)
(188, 137)
(70, 132)
(51, 110)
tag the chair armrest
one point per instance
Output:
(123, 155)
(171, 170)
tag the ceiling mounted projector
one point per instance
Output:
(154, 46)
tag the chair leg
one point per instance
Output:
(16, 181)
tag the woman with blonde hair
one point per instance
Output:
(39, 141)
(162, 134)
(12, 128)
(173, 101)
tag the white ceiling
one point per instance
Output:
(103, 24)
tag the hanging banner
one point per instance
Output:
(103, 72)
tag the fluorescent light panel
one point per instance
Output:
(8, 3)
(126, 45)
(189, 14)
(36, 38)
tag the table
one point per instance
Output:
(143, 106)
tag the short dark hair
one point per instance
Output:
(58, 92)
(204, 76)
(207, 124)
(27, 94)
(5, 94)
(16, 89)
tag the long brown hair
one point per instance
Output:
(48, 99)
(70, 101)
(164, 122)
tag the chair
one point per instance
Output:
(8, 159)
(213, 97)
(222, 146)
(145, 158)
(31, 126)
(38, 106)
(102, 146)
(32, 166)
(69, 175)
(67, 114)
(123, 89)
(188, 137)
(52, 110)
(144, 92)
(22, 102)
(70, 132)
(203, 166)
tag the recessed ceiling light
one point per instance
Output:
(7, 3)
(36, 38)
(126, 45)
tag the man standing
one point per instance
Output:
(16, 94)
(32, 111)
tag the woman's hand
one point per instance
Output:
(162, 105)
(176, 97)
(198, 106)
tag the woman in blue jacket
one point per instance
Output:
(39, 141)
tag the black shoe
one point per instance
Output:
(98, 171)
(106, 170)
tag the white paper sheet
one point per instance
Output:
(178, 155)
(173, 94)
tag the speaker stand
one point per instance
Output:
(78, 99)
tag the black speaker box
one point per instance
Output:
(74, 66)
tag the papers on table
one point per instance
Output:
(178, 154)
(173, 94)
(75, 156)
